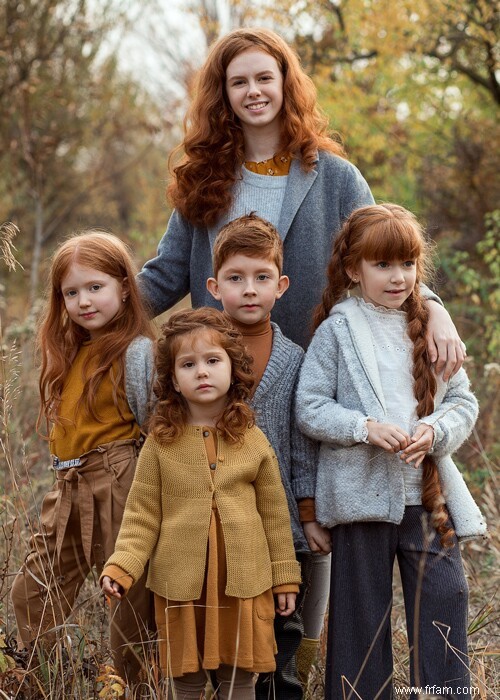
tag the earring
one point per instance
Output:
(124, 299)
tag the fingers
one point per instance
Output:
(285, 603)
(420, 444)
(111, 588)
(456, 358)
(389, 437)
(444, 345)
(318, 537)
(326, 546)
(451, 356)
(322, 546)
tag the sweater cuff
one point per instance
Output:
(286, 588)
(307, 510)
(361, 430)
(117, 574)
(286, 572)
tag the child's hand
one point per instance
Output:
(111, 588)
(318, 537)
(285, 603)
(389, 437)
(420, 444)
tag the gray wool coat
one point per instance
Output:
(339, 384)
(315, 206)
(274, 405)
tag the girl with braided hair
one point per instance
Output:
(386, 484)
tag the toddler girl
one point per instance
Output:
(208, 511)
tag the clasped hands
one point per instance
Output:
(392, 438)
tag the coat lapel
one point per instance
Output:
(298, 185)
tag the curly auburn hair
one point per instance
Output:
(390, 232)
(59, 338)
(213, 146)
(171, 413)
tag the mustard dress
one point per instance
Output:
(216, 629)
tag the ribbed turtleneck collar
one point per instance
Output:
(258, 340)
(253, 329)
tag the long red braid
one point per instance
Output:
(424, 389)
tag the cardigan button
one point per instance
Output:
(213, 465)
(206, 433)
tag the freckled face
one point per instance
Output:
(254, 86)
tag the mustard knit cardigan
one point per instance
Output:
(167, 517)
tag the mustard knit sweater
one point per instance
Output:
(168, 510)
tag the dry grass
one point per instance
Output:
(78, 667)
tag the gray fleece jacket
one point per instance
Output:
(339, 384)
(139, 373)
(274, 405)
(314, 208)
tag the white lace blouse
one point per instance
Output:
(393, 350)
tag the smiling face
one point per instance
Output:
(254, 86)
(202, 374)
(386, 283)
(92, 298)
(248, 287)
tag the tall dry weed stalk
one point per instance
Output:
(77, 667)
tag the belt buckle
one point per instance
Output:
(65, 464)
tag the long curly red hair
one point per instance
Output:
(170, 416)
(213, 147)
(59, 338)
(390, 232)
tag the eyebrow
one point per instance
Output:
(264, 268)
(85, 284)
(209, 353)
(261, 72)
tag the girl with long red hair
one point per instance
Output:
(386, 484)
(96, 349)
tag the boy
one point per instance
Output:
(248, 279)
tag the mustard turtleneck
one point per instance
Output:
(258, 339)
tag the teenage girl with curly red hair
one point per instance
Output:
(386, 484)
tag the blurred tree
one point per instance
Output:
(414, 90)
(72, 125)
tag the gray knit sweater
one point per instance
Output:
(273, 403)
(139, 372)
(339, 385)
(314, 207)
